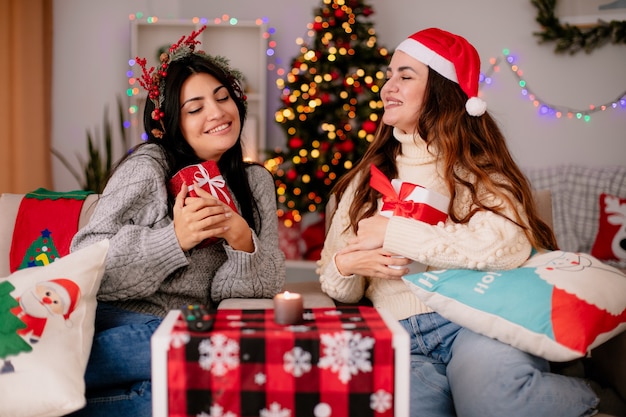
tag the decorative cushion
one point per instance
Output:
(610, 241)
(44, 350)
(558, 305)
(44, 227)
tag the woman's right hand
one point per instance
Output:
(375, 263)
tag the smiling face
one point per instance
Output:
(403, 92)
(209, 118)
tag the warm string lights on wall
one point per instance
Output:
(543, 107)
(134, 88)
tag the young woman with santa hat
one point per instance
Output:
(436, 133)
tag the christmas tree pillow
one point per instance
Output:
(46, 330)
(558, 305)
(610, 241)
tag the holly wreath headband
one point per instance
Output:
(153, 80)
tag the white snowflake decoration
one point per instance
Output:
(219, 354)
(275, 410)
(308, 315)
(260, 378)
(298, 328)
(380, 401)
(217, 411)
(297, 361)
(333, 313)
(178, 339)
(346, 353)
(322, 410)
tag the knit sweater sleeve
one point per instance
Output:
(260, 274)
(132, 213)
(487, 242)
(343, 288)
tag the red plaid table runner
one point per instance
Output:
(337, 362)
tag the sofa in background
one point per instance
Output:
(572, 193)
(575, 191)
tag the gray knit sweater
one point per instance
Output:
(147, 271)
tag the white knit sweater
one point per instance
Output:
(487, 242)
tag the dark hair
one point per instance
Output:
(179, 153)
(463, 143)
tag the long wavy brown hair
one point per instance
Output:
(463, 143)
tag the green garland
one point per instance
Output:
(571, 38)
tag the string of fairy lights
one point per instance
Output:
(134, 88)
(544, 108)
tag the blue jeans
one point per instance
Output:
(456, 372)
(118, 372)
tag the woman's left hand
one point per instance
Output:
(234, 228)
(370, 234)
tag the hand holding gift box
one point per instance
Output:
(409, 200)
(206, 176)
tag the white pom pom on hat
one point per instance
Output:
(453, 57)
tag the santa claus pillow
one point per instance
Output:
(610, 241)
(46, 330)
(558, 305)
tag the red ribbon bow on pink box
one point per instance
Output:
(409, 200)
(206, 176)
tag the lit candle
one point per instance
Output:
(288, 308)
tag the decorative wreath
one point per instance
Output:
(572, 39)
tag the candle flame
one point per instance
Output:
(290, 295)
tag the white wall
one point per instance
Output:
(92, 48)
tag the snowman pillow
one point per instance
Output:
(558, 305)
(46, 330)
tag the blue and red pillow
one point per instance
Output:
(558, 305)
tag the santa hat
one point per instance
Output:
(68, 291)
(451, 56)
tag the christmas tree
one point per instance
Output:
(331, 106)
(10, 342)
(41, 252)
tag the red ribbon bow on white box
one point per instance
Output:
(409, 200)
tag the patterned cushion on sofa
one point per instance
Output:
(575, 191)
